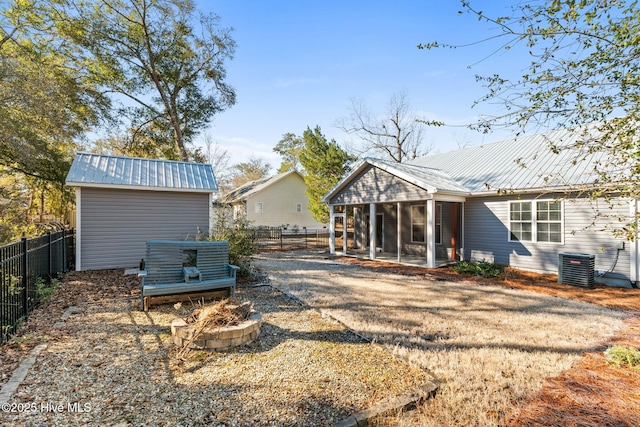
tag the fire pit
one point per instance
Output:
(218, 328)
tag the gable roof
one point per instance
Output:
(250, 188)
(133, 173)
(519, 164)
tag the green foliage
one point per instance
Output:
(47, 101)
(583, 68)
(166, 59)
(620, 356)
(480, 268)
(289, 148)
(254, 168)
(241, 237)
(325, 164)
(44, 290)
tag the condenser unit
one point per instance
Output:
(576, 269)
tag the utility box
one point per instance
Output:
(576, 269)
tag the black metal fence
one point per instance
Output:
(26, 270)
(278, 238)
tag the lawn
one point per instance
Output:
(503, 348)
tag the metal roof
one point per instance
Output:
(244, 191)
(554, 159)
(518, 164)
(99, 170)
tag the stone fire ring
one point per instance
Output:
(216, 338)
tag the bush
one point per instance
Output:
(480, 268)
(619, 356)
(241, 237)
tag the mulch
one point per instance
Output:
(579, 396)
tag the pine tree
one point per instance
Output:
(325, 164)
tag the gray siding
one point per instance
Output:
(486, 233)
(115, 224)
(373, 185)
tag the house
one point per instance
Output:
(276, 201)
(121, 202)
(513, 202)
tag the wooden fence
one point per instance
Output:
(26, 270)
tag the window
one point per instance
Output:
(258, 207)
(549, 221)
(298, 207)
(418, 223)
(543, 225)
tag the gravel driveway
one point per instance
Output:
(491, 346)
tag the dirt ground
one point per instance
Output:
(588, 394)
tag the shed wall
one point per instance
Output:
(487, 234)
(115, 224)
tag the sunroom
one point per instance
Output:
(396, 212)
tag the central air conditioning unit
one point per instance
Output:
(576, 269)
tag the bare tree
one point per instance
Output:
(397, 135)
(218, 157)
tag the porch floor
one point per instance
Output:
(412, 260)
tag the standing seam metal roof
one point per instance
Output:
(522, 163)
(99, 170)
(518, 164)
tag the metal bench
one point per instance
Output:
(180, 270)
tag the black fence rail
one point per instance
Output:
(26, 270)
(277, 238)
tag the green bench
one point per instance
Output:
(178, 270)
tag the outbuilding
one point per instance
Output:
(121, 202)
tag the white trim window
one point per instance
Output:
(418, 224)
(259, 207)
(543, 225)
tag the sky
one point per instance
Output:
(300, 64)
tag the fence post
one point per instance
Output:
(64, 251)
(49, 258)
(25, 281)
(280, 238)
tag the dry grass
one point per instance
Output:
(491, 346)
(304, 370)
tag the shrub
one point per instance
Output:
(480, 268)
(619, 356)
(241, 237)
(44, 290)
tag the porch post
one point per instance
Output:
(372, 231)
(345, 220)
(634, 248)
(431, 231)
(332, 231)
(399, 232)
